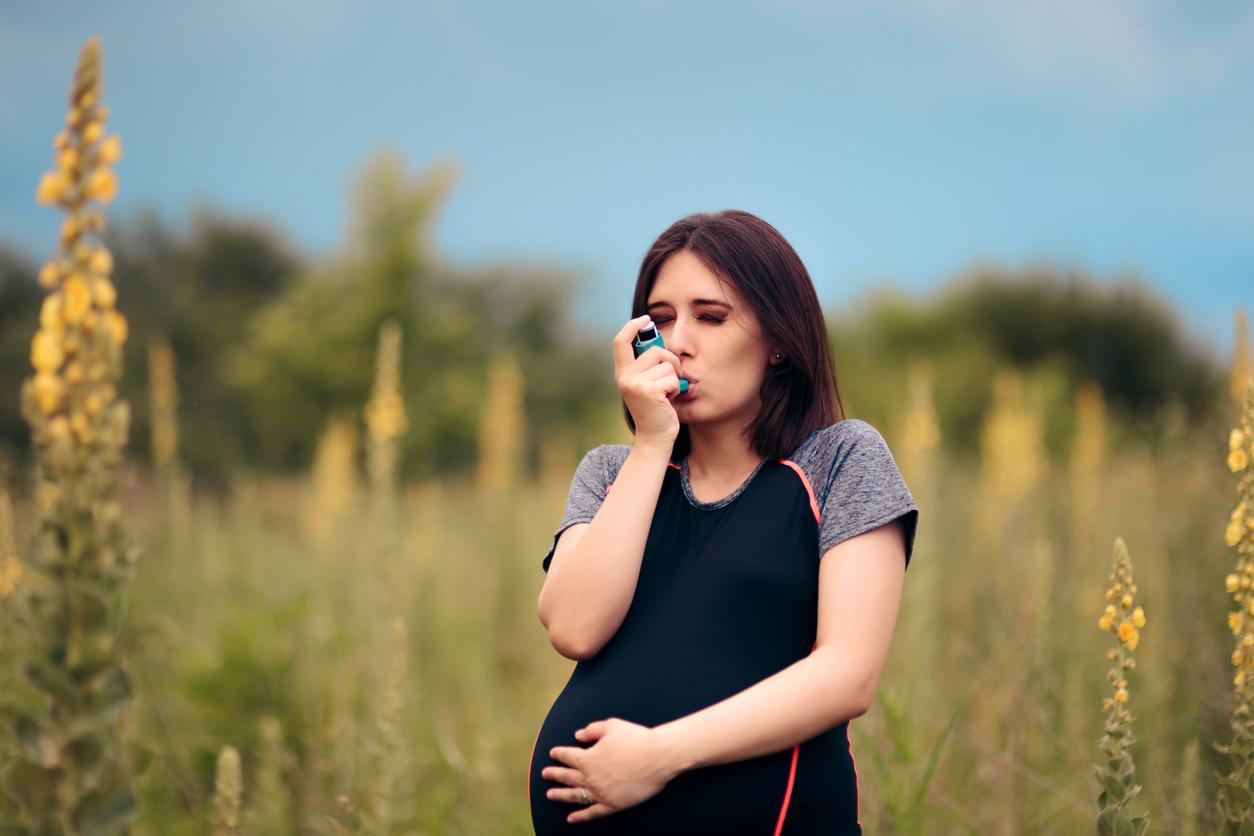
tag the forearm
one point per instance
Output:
(588, 592)
(803, 700)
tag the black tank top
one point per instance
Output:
(726, 598)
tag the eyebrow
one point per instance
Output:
(719, 302)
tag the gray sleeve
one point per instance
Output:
(859, 486)
(587, 492)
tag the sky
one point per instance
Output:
(893, 142)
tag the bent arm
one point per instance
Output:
(592, 578)
(860, 583)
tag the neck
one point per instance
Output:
(719, 452)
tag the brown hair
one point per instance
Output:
(800, 394)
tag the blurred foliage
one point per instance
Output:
(271, 342)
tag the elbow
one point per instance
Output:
(571, 645)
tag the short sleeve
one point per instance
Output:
(587, 492)
(862, 489)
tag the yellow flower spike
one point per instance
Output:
(104, 293)
(1236, 439)
(1236, 620)
(1237, 460)
(101, 261)
(111, 150)
(87, 100)
(102, 185)
(46, 353)
(1232, 583)
(77, 299)
(1138, 618)
(49, 392)
(1121, 696)
(92, 132)
(117, 327)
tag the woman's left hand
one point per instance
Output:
(626, 765)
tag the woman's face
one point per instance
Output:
(716, 337)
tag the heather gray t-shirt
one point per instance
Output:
(854, 477)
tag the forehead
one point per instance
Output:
(683, 277)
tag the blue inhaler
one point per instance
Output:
(651, 336)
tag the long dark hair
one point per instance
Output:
(800, 394)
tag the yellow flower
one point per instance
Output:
(46, 354)
(1126, 601)
(111, 150)
(51, 187)
(1126, 631)
(1121, 696)
(61, 141)
(1238, 658)
(103, 291)
(58, 428)
(77, 299)
(1232, 583)
(1247, 640)
(1110, 595)
(49, 391)
(49, 274)
(1110, 610)
(93, 404)
(102, 185)
(1133, 640)
(1239, 679)
(117, 327)
(1235, 622)
(80, 425)
(74, 374)
(1237, 460)
(66, 160)
(92, 132)
(1232, 534)
(100, 261)
(1138, 618)
(1236, 439)
(1251, 606)
(50, 314)
(1105, 623)
(69, 229)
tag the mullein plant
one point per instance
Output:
(1236, 788)
(1116, 774)
(69, 776)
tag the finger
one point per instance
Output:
(569, 755)
(596, 811)
(594, 730)
(623, 355)
(563, 775)
(566, 795)
(658, 356)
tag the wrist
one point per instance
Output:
(674, 754)
(656, 450)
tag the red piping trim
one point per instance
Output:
(814, 506)
(792, 775)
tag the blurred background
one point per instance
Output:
(1032, 230)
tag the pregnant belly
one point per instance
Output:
(741, 797)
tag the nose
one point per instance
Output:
(678, 336)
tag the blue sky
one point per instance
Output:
(893, 142)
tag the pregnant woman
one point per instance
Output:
(728, 583)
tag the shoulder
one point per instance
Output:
(603, 462)
(827, 448)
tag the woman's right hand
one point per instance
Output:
(646, 383)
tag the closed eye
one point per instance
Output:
(658, 320)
